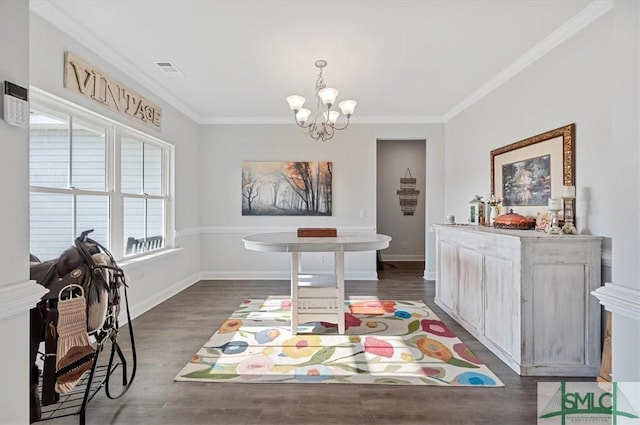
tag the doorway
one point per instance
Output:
(401, 166)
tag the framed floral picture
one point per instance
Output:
(527, 173)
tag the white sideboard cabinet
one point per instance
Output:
(525, 295)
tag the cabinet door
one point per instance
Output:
(470, 287)
(499, 315)
(447, 286)
(559, 314)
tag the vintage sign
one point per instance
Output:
(89, 81)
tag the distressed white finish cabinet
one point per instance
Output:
(525, 295)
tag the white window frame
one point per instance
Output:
(115, 131)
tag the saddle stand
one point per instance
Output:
(75, 335)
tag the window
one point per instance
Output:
(88, 172)
(141, 182)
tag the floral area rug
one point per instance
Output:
(385, 342)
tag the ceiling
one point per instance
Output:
(403, 61)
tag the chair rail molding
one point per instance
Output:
(619, 300)
(16, 298)
(187, 232)
(267, 229)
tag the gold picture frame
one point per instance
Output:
(525, 174)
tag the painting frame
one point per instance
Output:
(558, 144)
(287, 188)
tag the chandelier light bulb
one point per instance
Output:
(333, 117)
(295, 102)
(303, 115)
(347, 107)
(328, 95)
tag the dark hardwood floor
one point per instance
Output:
(168, 335)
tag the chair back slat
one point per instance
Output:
(137, 246)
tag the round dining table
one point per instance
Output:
(317, 297)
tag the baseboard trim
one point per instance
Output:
(244, 275)
(387, 257)
(279, 275)
(149, 303)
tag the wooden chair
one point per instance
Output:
(136, 246)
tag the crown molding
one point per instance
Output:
(417, 119)
(245, 120)
(49, 12)
(574, 25)
(82, 35)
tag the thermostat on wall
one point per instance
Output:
(16, 105)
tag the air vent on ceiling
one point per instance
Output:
(170, 69)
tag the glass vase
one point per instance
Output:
(492, 215)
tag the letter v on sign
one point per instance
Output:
(83, 77)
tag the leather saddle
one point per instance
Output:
(56, 274)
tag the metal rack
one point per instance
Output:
(75, 402)
(72, 403)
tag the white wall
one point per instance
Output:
(151, 280)
(15, 288)
(407, 231)
(625, 172)
(31, 52)
(571, 84)
(353, 153)
(591, 80)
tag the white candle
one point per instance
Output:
(555, 204)
(568, 191)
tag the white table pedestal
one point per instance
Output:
(316, 298)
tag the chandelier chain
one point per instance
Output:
(320, 84)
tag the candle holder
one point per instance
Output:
(569, 228)
(555, 229)
(554, 206)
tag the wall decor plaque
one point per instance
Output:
(87, 80)
(408, 193)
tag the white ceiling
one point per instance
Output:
(404, 61)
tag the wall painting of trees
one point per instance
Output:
(286, 188)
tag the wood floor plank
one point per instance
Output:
(168, 335)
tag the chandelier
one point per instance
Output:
(325, 120)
